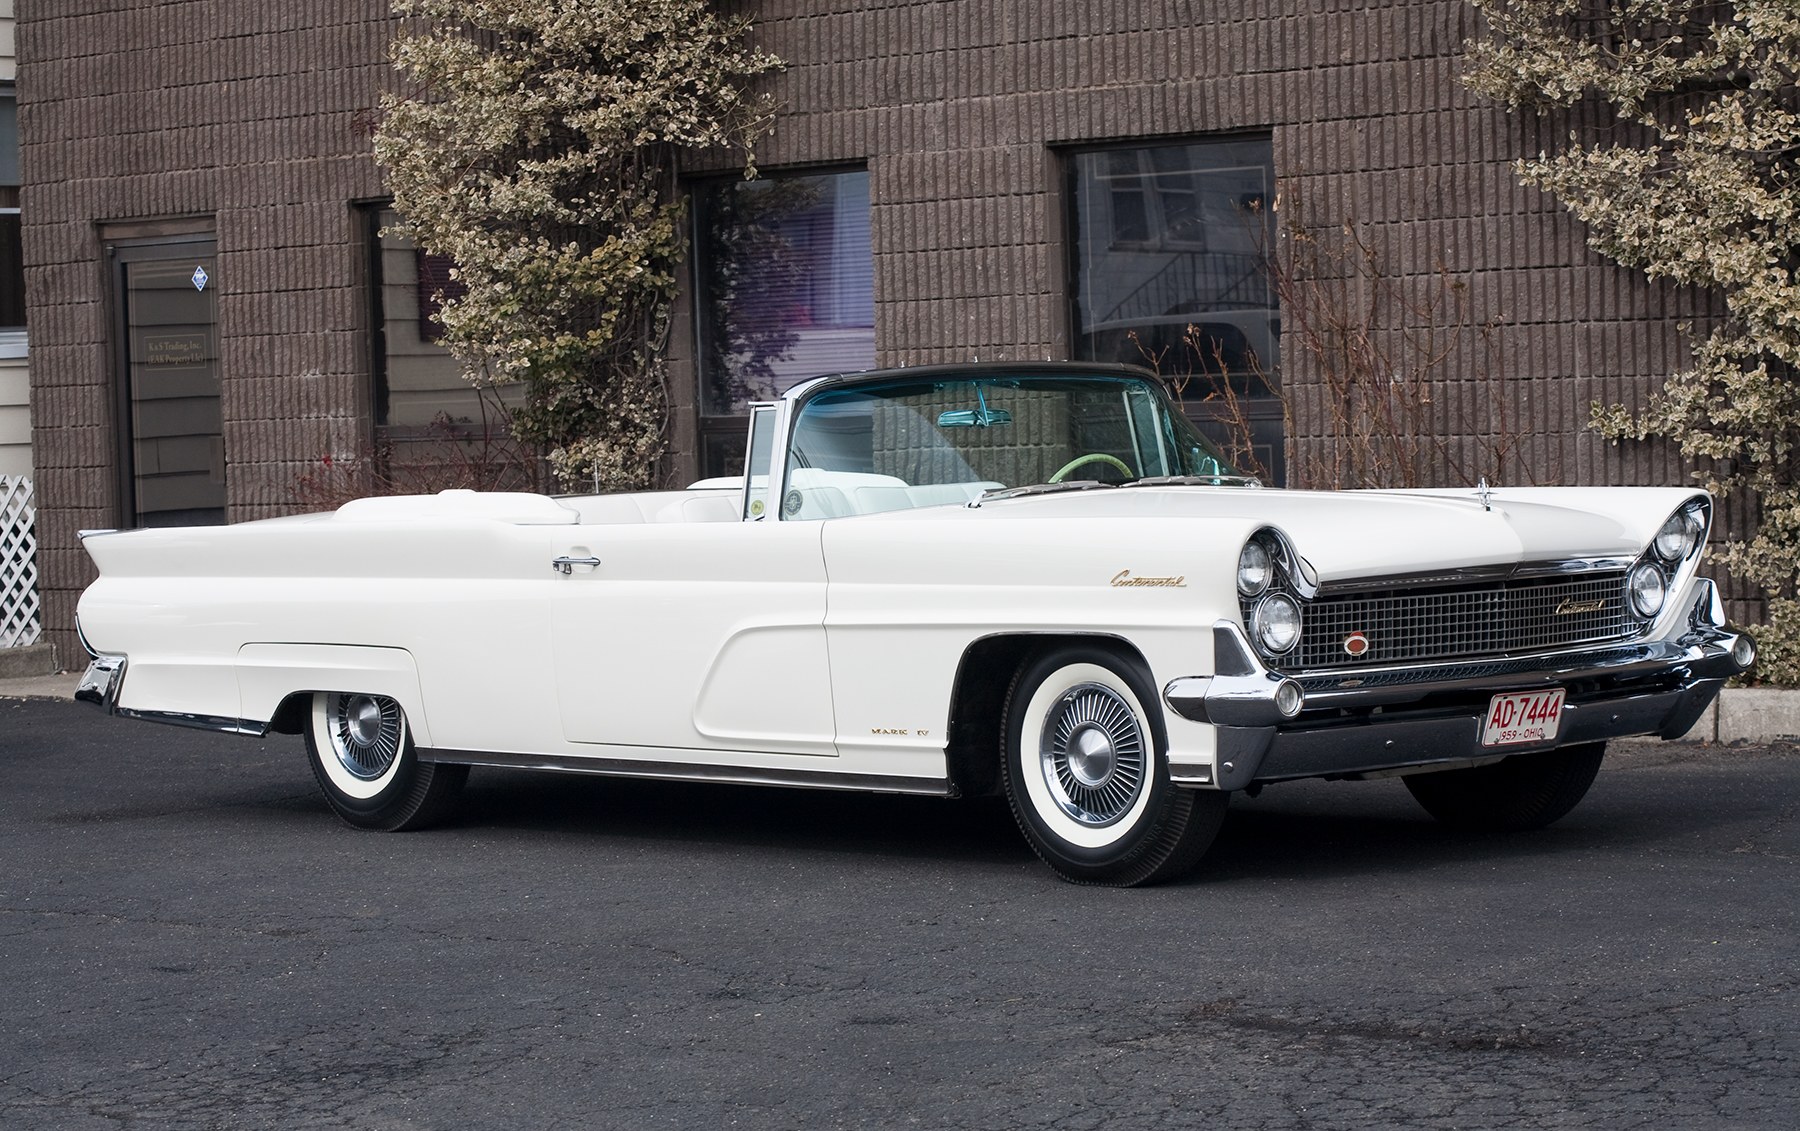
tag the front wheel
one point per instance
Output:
(1525, 791)
(1084, 776)
(362, 752)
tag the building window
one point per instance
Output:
(415, 378)
(12, 258)
(433, 429)
(1170, 268)
(785, 291)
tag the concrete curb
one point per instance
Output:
(31, 660)
(1749, 714)
(55, 685)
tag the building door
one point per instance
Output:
(171, 436)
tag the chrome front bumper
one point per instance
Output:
(1355, 724)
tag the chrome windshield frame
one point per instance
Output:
(792, 405)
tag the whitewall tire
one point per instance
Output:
(362, 754)
(1085, 772)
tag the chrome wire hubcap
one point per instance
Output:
(366, 733)
(1092, 752)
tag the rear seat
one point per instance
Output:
(872, 500)
(828, 494)
(656, 506)
(697, 506)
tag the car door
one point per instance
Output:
(693, 636)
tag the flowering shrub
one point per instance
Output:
(535, 146)
(1698, 182)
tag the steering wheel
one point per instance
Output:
(1092, 457)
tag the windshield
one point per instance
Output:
(910, 443)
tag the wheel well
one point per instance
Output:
(986, 671)
(290, 717)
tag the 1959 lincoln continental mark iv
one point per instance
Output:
(1036, 580)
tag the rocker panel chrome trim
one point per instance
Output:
(218, 723)
(689, 771)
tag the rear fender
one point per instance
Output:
(268, 674)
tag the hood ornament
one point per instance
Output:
(1483, 495)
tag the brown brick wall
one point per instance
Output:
(253, 118)
(962, 110)
(249, 121)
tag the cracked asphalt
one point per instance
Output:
(188, 939)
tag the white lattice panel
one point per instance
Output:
(21, 621)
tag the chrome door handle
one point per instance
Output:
(566, 565)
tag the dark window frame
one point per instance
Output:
(200, 242)
(1262, 402)
(12, 255)
(720, 436)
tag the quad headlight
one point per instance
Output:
(1647, 589)
(1276, 623)
(1677, 543)
(1256, 569)
(1680, 536)
(1272, 583)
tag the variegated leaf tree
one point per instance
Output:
(535, 144)
(1697, 180)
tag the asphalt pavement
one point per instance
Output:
(189, 939)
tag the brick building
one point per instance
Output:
(213, 309)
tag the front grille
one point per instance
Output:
(1495, 619)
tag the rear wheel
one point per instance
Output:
(1525, 791)
(362, 753)
(1083, 773)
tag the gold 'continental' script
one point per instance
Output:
(1124, 580)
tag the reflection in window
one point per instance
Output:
(1173, 236)
(433, 429)
(12, 263)
(419, 386)
(1170, 245)
(12, 257)
(786, 284)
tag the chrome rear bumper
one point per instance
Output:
(100, 686)
(100, 683)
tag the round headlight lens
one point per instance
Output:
(1677, 537)
(1276, 623)
(1647, 589)
(1255, 569)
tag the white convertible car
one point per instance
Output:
(1035, 580)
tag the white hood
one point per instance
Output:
(1346, 534)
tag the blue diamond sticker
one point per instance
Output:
(199, 278)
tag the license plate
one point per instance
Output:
(1523, 717)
